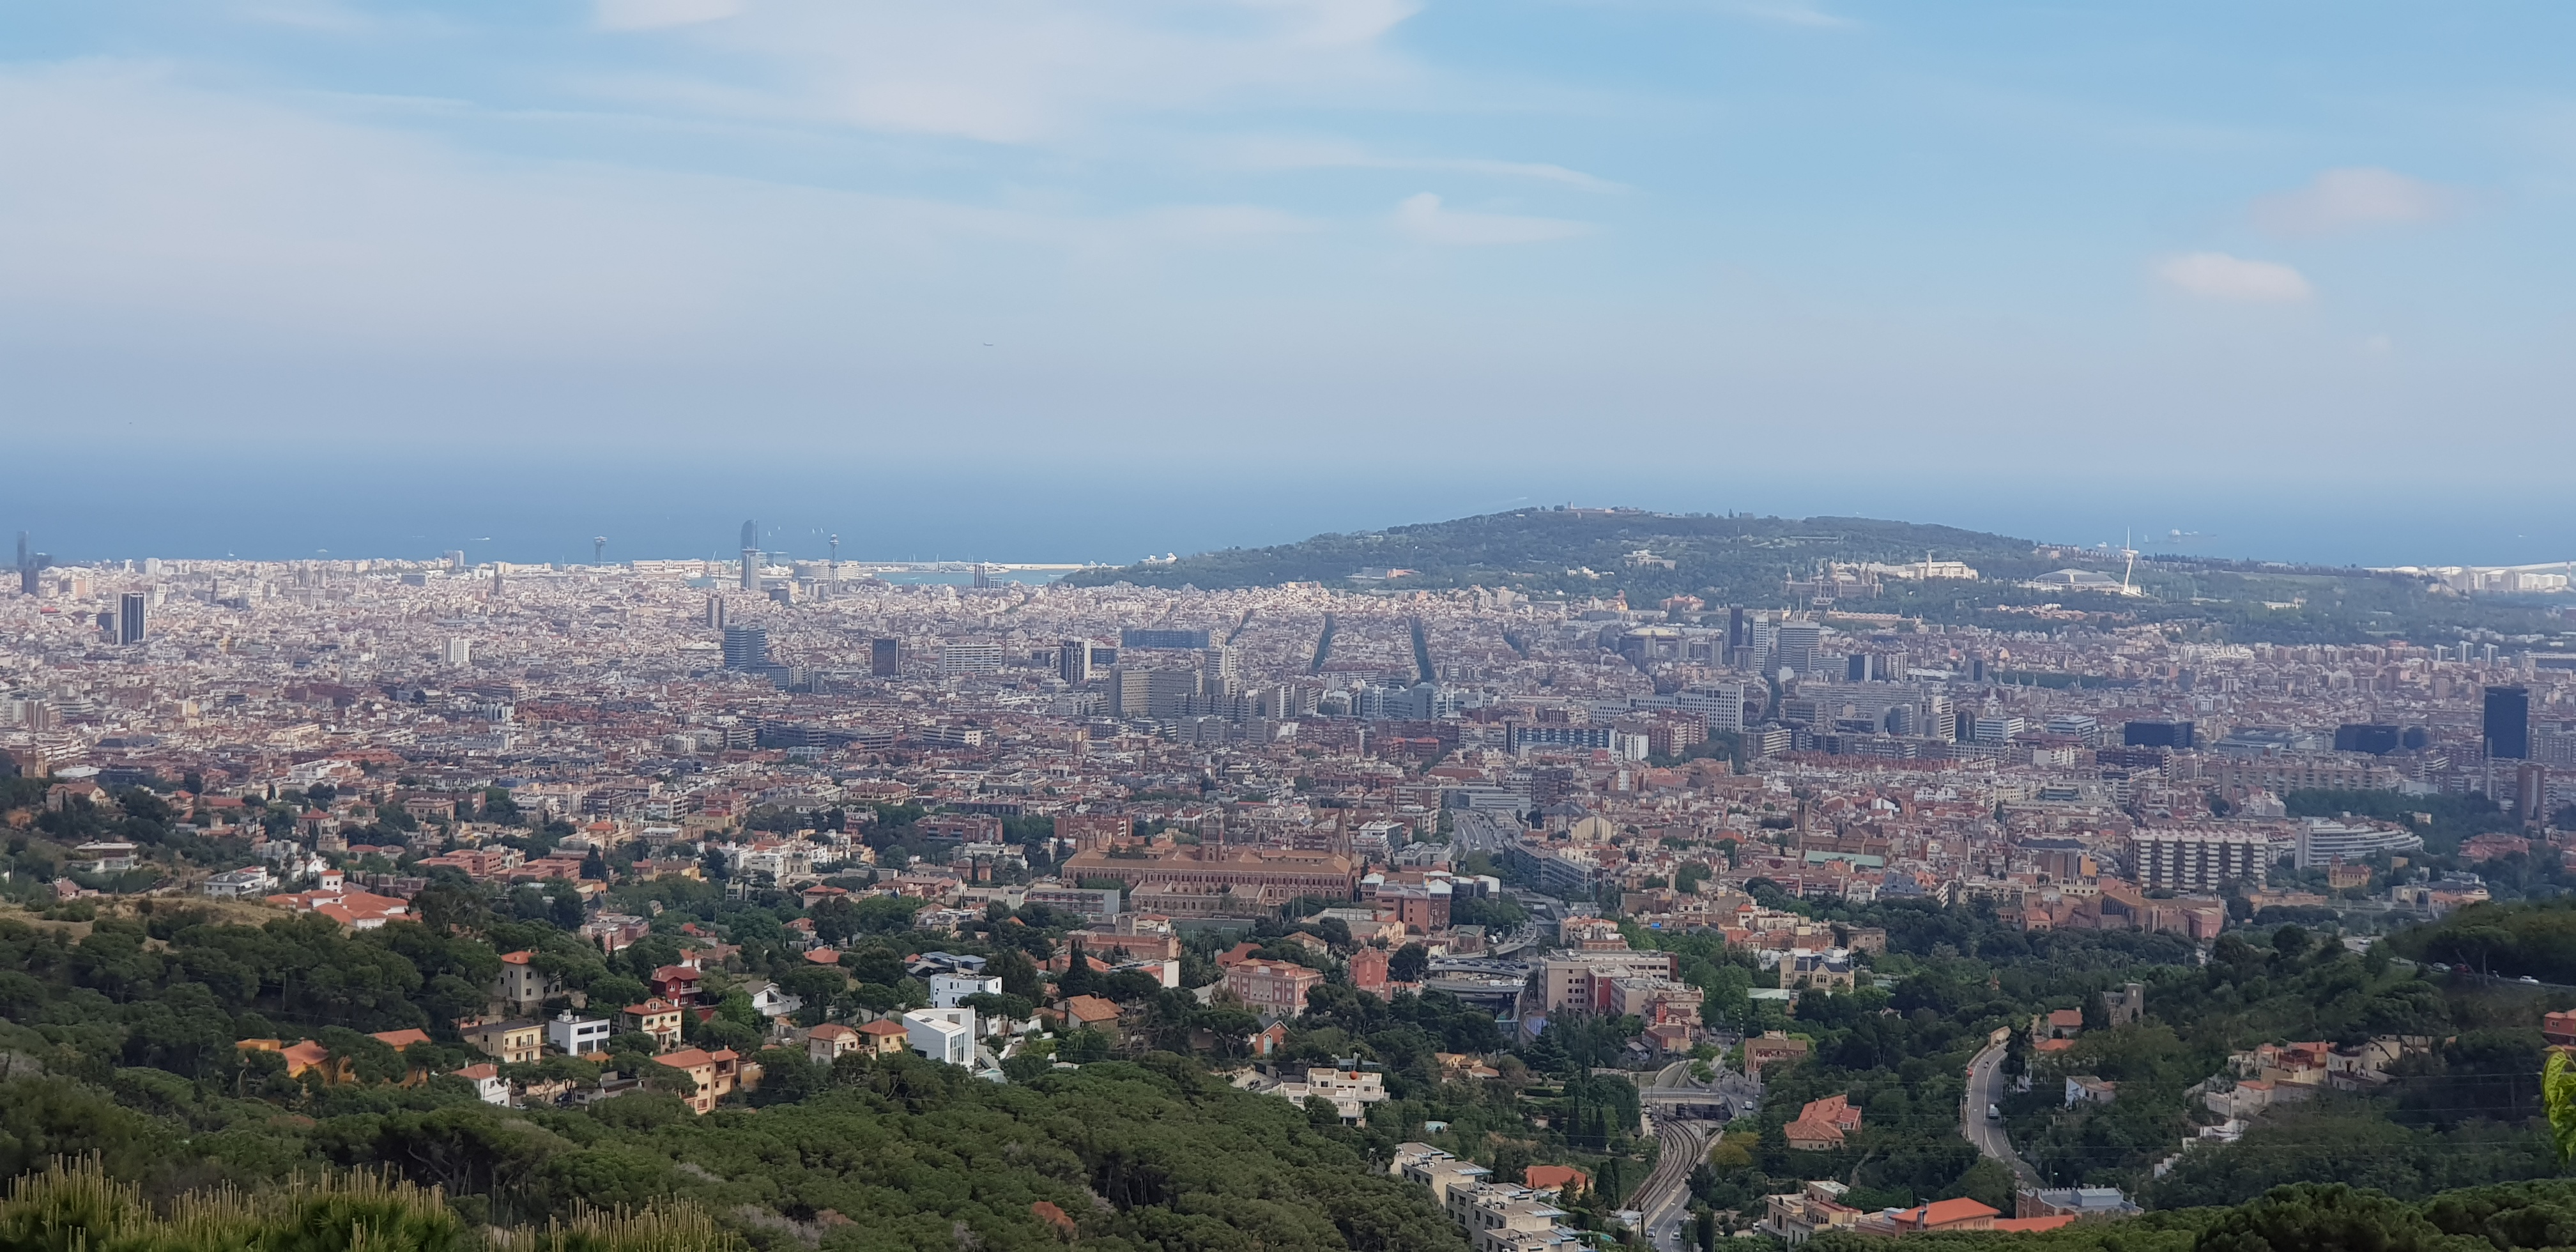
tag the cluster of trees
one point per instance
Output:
(119, 1044)
(77, 1204)
(2508, 1217)
(2523, 938)
(879, 1155)
(2461, 1112)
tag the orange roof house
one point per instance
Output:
(1821, 1125)
(1958, 1214)
(1554, 1178)
(307, 1055)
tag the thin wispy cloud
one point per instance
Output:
(1789, 13)
(1006, 71)
(2354, 199)
(1309, 154)
(1772, 12)
(2218, 276)
(659, 14)
(1423, 218)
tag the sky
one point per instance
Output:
(1087, 279)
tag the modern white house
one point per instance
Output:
(234, 884)
(771, 1001)
(947, 991)
(942, 1034)
(574, 1035)
(103, 858)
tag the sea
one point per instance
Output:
(288, 509)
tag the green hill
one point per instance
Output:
(1588, 552)
(1752, 561)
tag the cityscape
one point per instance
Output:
(1659, 839)
(1286, 626)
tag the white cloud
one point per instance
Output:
(312, 15)
(1313, 154)
(1019, 71)
(1219, 223)
(1805, 13)
(2218, 276)
(1788, 13)
(144, 208)
(2349, 199)
(657, 14)
(1423, 218)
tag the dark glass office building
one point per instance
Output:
(2176, 735)
(2375, 739)
(745, 647)
(2508, 723)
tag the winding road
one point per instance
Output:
(1986, 1087)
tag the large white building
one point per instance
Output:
(947, 991)
(2323, 841)
(1721, 703)
(575, 1035)
(2198, 860)
(942, 1034)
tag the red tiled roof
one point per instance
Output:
(2031, 1225)
(1944, 1213)
(1547, 1177)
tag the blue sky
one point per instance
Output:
(2044, 267)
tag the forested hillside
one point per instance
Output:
(121, 1037)
(1746, 560)
(2461, 1108)
(125, 1024)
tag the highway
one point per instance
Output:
(1985, 1088)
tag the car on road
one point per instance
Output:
(2529, 979)
(1994, 1112)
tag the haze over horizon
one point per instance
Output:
(1082, 280)
(524, 515)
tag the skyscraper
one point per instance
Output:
(751, 556)
(460, 653)
(30, 564)
(2508, 723)
(885, 658)
(1793, 646)
(129, 618)
(745, 647)
(1073, 660)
